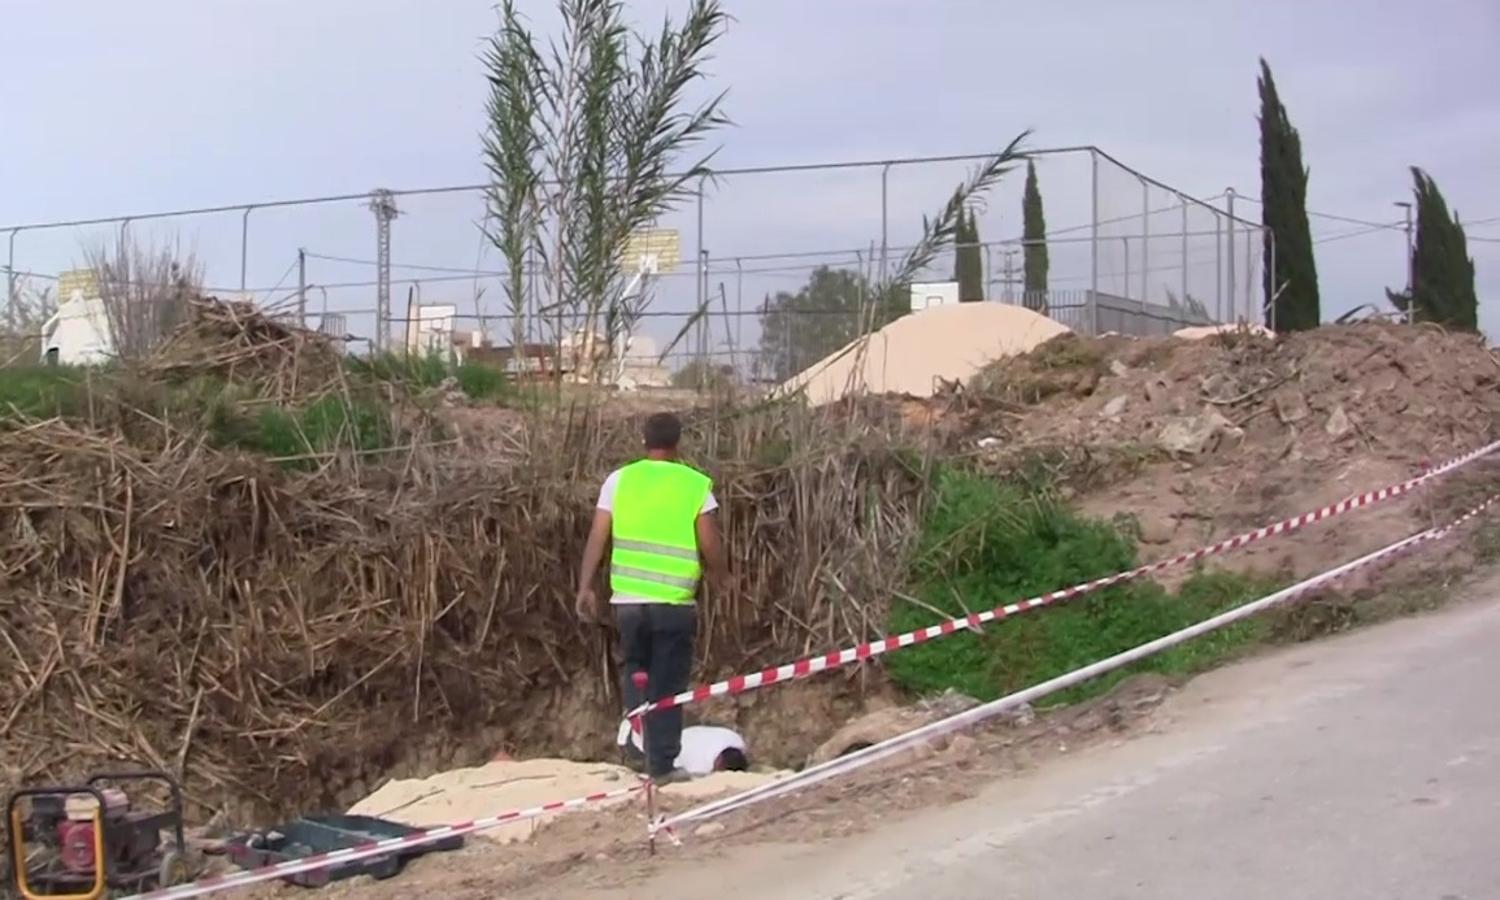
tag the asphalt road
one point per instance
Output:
(1363, 766)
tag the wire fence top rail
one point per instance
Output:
(711, 173)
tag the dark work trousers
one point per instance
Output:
(657, 638)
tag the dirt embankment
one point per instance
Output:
(289, 636)
(292, 637)
(1185, 442)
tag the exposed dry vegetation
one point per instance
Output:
(195, 606)
(174, 596)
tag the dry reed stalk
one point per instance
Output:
(261, 628)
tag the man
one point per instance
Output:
(705, 749)
(660, 518)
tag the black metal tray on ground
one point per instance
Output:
(308, 835)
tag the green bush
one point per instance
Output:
(412, 370)
(42, 392)
(481, 382)
(419, 372)
(326, 424)
(985, 544)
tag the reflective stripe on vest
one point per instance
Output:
(662, 549)
(654, 552)
(657, 577)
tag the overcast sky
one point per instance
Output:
(116, 108)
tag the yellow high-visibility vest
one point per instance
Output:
(654, 550)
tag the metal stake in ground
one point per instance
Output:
(639, 679)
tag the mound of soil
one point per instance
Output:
(1189, 441)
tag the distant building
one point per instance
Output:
(79, 333)
(430, 330)
(925, 294)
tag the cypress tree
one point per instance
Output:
(1442, 277)
(1291, 268)
(968, 259)
(1034, 235)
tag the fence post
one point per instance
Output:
(244, 245)
(739, 302)
(1145, 238)
(1184, 247)
(1229, 257)
(989, 272)
(885, 174)
(698, 286)
(1218, 265)
(705, 318)
(302, 287)
(1249, 271)
(10, 274)
(1269, 312)
(1092, 313)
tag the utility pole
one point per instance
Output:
(704, 328)
(383, 204)
(1008, 280)
(302, 287)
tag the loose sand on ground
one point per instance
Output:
(497, 787)
(917, 352)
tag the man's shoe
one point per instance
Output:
(633, 759)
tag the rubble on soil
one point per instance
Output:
(1401, 389)
(1195, 440)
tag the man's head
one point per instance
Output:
(732, 759)
(662, 433)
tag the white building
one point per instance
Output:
(926, 294)
(78, 334)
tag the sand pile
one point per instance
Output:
(496, 787)
(918, 353)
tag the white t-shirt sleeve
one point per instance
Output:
(607, 492)
(612, 483)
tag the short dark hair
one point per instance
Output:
(662, 431)
(733, 759)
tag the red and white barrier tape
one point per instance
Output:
(372, 848)
(812, 665)
(876, 752)
(805, 667)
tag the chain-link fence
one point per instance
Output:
(778, 265)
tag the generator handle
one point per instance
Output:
(17, 842)
(152, 775)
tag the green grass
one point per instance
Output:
(425, 372)
(985, 544)
(327, 424)
(42, 392)
(223, 412)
